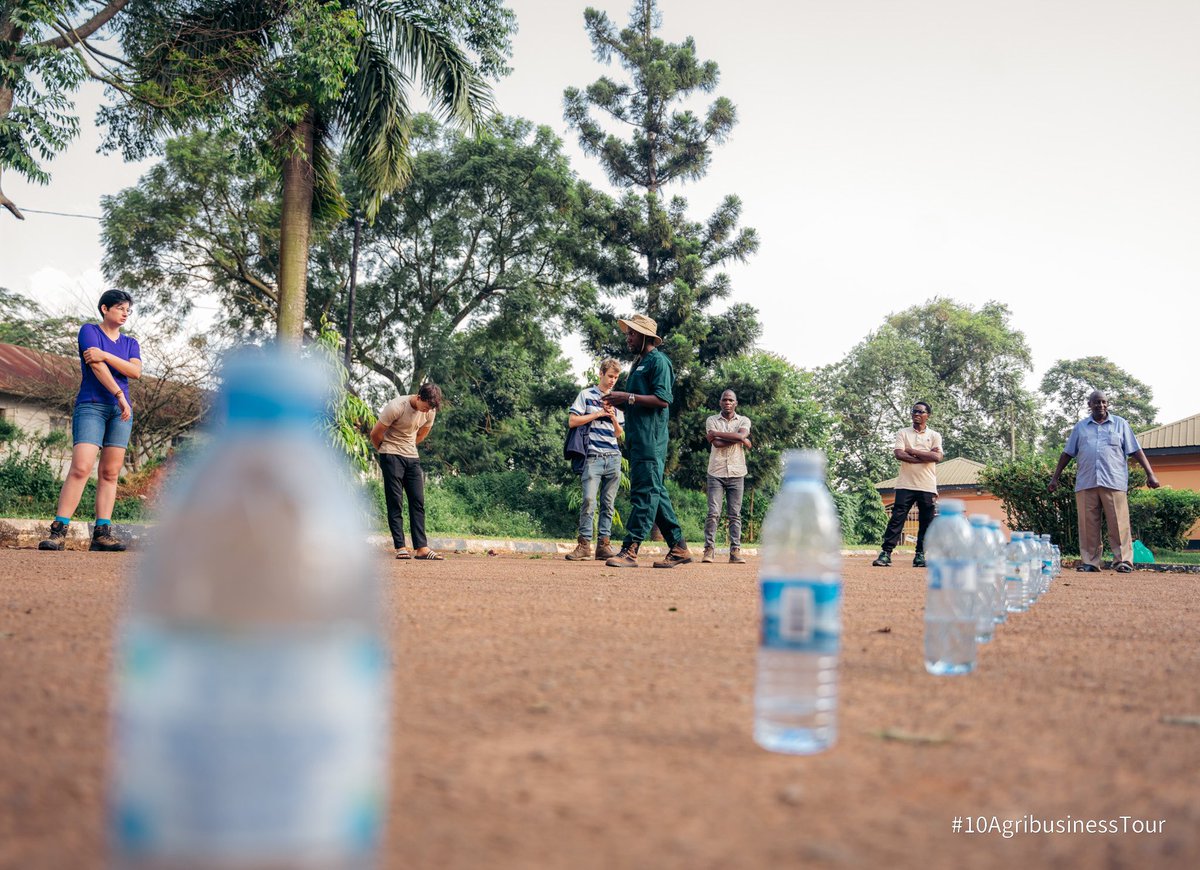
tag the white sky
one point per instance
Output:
(1039, 152)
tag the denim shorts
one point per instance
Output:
(100, 424)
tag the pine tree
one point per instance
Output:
(654, 253)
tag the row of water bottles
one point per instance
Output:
(975, 580)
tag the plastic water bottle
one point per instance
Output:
(795, 700)
(1034, 555)
(985, 569)
(1057, 559)
(1047, 562)
(251, 703)
(996, 537)
(952, 596)
(1016, 574)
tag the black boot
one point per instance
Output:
(57, 539)
(104, 541)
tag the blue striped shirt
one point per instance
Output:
(602, 437)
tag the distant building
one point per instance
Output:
(37, 393)
(957, 478)
(1174, 452)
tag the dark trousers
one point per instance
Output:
(402, 476)
(926, 509)
(649, 504)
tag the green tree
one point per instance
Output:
(484, 218)
(298, 75)
(1067, 384)
(969, 365)
(28, 324)
(507, 389)
(652, 250)
(44, 48)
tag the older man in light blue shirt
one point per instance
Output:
(1102, 443)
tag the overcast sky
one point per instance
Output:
(1038, 152)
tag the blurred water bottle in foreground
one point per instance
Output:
(251, 697)
(795, 702)
(952, 597)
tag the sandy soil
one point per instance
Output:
(551, 714)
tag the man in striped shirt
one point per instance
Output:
(602, 469)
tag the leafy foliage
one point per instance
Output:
(1067, 384)
(28, 324)
(1021, 486)
(967, 364)
(349, 419)
(1161, 518)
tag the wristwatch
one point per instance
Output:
(632, 399)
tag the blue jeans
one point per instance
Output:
(729, 488)
(601, 473)
(100, 424)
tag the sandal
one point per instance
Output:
(431, 556)
(402, 553)
(1123, 568)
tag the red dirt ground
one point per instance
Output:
(561, 715)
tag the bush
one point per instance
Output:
(1021, 486)
(1161, 518)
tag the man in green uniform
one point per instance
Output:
(646, 401)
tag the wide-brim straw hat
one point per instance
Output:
(642, 324)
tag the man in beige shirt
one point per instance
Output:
(404, 423)
(729, 435)
(919, 450)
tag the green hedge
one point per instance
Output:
(1159, 518)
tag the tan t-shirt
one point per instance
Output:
(403, 422)
(920, 476)
(727, 461)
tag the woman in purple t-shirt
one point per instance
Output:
(102, 420)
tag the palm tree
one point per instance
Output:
(305, 75)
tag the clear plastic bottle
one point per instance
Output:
(251, 699)
(1000, 615)
(795, 699)
(985, 571)
(1057, 559)
(952, 596)
(1016, 574)
(1034, 555)
(1047, 562)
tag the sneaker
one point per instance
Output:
(104, 541)
(57, 539)
(883, 560)
(604, 549)
(627, 558)
(710, 555)
(583, 550)
(919, 560)
(735, 556)
(676, 556)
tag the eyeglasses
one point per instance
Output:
(920, 411)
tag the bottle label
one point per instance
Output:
(958, 574)
(249, 747)
(802, 615)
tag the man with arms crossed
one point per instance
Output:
(919, 450)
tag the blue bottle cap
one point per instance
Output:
(273, 387)
(952, 506)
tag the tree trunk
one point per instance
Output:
(295, 225)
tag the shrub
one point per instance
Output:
(1021, 486)
(1161, 518)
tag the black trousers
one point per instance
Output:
(402, 476)
(926, 509)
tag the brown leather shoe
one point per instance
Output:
(583, 550)
(103, 540)
(710, 555)
(604, 549)
(627, 558)
(678, 555)
(735, 556)
(57, 539)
